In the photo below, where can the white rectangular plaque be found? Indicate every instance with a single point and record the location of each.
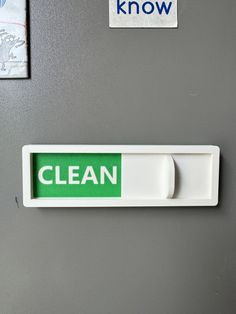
(13, 40)
(143, 14)
(99, 176)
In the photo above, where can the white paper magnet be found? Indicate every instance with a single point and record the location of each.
(99, 176)
(143, 14)
(13, 39)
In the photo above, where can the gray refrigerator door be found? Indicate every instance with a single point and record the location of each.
(91, 84)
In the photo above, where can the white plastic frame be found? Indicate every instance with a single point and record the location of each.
(29, 201)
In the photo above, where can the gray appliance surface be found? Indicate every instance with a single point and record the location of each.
(94, 85)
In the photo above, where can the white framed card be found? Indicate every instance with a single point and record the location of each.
(13, 39)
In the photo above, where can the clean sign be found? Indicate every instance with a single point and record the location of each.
(98, 176)
(76, 175)
(143, 14)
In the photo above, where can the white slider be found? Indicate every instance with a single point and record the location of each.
(169, 176)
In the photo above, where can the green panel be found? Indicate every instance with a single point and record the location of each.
(99, 175)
